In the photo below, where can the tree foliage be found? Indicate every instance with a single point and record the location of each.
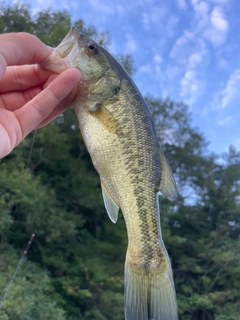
(75, 265)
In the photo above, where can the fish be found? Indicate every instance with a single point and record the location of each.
(119, 134)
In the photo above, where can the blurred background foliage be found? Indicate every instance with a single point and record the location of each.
(74, 269)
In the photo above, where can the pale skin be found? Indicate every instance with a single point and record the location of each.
(30, 96)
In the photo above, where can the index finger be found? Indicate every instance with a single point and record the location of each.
(23, 77)
(21, 48)
(42, 105)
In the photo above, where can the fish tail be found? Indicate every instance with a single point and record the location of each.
(150, 295)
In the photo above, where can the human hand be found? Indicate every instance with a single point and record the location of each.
(30, 96)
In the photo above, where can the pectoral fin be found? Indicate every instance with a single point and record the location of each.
(110, 205)
(167, 184)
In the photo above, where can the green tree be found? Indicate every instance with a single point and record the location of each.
(28, 297)
(202, 230)
(207, 234)
(58, 197)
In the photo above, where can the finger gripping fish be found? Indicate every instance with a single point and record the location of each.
(118, 131)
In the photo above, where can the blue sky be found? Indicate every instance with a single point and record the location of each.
(187, 50)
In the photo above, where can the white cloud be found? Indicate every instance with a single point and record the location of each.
(220, 1)
(218, 27)
(191, 86)
(210, 24)
(201, 13)
(157, 58)
(172, 25)
(182, 4)
(146, 20)
(181, 46)
(105, 8)
(120, 9)
(200, 42)
(146, 68)
(168, 80)
(131, 44)
(200, 7)
(153, 16)
(222, 63)
(172, 72)
(191, 55)
(217, 19)
(194, 60)
(232, 90)
(224, 122)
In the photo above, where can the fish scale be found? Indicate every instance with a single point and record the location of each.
(143, 149)
(118, 131)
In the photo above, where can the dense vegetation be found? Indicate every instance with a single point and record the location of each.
(74, 269)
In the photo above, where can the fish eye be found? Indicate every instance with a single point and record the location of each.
(92, 48)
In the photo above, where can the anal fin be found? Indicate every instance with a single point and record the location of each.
(167, 185)
(110, 205)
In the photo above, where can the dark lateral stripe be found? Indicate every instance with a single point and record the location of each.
(139, 150)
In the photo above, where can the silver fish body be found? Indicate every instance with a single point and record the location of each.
(119, 134)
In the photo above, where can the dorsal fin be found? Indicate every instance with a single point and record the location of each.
(110, 205)
(167, 184)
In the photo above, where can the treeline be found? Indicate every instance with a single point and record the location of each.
(74, 269)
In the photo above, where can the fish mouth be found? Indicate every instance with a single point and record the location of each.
(64, 54)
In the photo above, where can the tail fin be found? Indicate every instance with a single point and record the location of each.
(150, 295)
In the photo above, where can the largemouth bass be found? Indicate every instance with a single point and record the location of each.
(118, 131)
